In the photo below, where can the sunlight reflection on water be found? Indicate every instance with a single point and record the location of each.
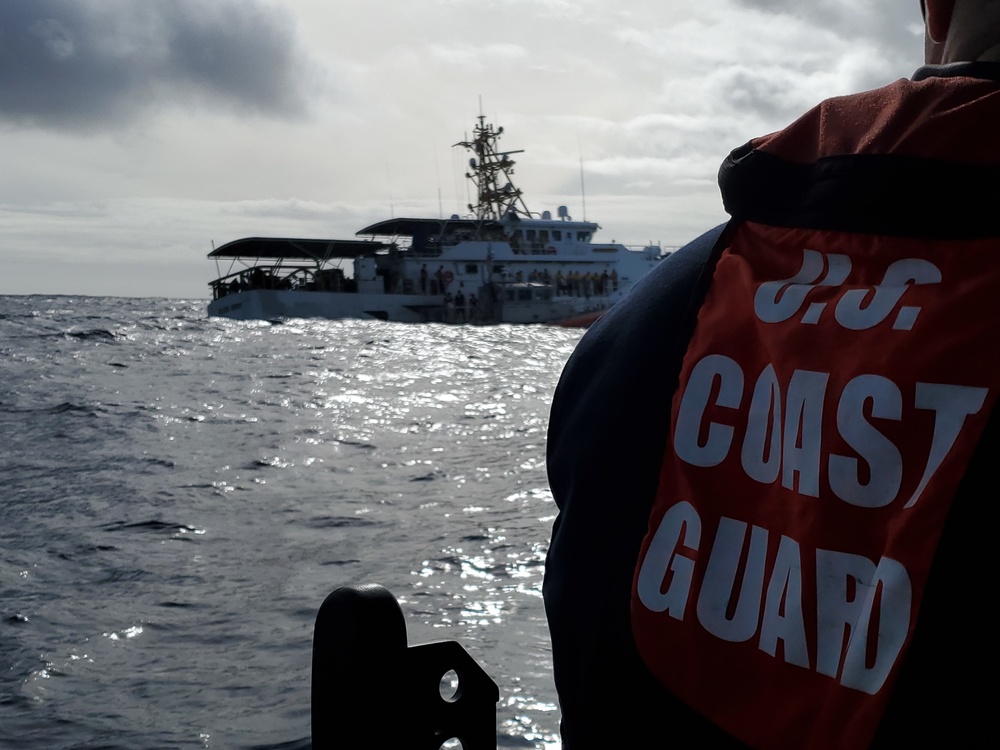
(230, 476)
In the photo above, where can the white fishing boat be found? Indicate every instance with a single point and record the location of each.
(500, 264)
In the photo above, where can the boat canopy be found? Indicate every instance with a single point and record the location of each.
(297, 249)
(424, 227)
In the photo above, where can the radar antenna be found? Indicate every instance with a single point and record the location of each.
(491, 170)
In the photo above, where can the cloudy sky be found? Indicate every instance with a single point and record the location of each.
(136, 133)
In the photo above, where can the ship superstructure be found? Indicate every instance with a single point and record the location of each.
(501, 263)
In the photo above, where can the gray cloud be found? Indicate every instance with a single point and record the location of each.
(889, 25)
(87, 64)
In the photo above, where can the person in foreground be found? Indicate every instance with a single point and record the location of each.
(773, 459)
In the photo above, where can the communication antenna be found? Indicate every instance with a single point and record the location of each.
(468, 192)
(437, 168)
(490, 170)
(388, 181)
(583, 190)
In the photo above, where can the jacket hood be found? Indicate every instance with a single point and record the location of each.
(918, 158)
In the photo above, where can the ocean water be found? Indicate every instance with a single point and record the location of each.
(179, 494)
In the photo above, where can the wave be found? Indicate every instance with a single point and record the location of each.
(152, 525)
(96, 333)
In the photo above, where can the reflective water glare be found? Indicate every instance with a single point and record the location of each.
(180, 494)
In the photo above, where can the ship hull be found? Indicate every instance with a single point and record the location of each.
(270, 304)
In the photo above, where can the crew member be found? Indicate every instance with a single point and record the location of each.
(773, 458)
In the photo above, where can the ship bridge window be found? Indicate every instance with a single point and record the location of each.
(557, 234)
(471, 268)
(530, 234)
(583, 236)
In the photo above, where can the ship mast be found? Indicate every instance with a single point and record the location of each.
(491, 170)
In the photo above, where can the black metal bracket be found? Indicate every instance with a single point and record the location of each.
(369, 690)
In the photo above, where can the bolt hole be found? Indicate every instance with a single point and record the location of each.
(450, 689)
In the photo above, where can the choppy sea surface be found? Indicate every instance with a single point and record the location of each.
(179, 494)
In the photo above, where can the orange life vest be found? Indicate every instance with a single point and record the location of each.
(841, 371)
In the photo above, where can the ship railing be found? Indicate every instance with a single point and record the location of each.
(425, 251)
(654, 251)
(563, 286)
(521, 247)
(281, 278)
(255, 277)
